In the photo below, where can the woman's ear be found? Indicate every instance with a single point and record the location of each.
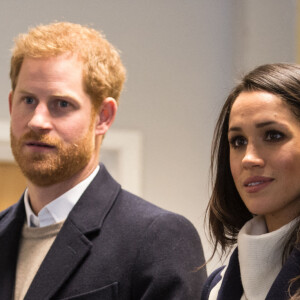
(106, 115)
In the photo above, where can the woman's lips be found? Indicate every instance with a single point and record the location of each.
(257, 183)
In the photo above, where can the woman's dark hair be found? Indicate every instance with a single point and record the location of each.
(226, 211)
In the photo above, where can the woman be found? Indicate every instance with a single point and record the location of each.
(255, 201)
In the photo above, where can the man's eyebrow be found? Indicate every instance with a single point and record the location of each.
(25, 92)
(55, 95)
(258, 125)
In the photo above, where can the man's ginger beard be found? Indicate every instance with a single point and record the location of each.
(57, 165)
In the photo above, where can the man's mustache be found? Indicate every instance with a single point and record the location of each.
(32, 136)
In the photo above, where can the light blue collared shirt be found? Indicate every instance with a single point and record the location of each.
(58, 209)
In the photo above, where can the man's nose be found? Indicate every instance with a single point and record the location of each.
(41, 119)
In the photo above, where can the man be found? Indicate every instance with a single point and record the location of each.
(75, 233)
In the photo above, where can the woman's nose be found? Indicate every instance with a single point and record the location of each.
(252, 158)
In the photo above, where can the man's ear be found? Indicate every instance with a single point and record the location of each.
(10, 96)
(106, 115)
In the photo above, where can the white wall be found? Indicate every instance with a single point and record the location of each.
(266, 32)
(182, 58)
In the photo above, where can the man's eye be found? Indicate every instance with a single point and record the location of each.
(238, 141)
(29, 100)
(63, 103)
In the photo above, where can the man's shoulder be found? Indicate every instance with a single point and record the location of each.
(137, 202)
(143, 208)
(131, 209)
(162, 239)
(125, 202)
(7, 211)
(7, 215)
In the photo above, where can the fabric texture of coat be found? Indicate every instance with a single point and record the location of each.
(113, 245)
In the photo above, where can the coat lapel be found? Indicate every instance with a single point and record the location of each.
(73, 244)
(67, 252)
(232, 287)
(12, 221)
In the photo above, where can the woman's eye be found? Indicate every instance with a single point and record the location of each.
(274, 136)
(238, 141)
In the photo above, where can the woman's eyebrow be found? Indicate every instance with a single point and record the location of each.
(262, 124)
(258, 125)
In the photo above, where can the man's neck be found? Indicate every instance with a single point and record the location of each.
(40, 196)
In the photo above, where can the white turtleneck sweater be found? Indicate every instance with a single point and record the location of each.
(260, 258)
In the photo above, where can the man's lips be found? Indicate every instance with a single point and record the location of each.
(39, 144)
(257, 183)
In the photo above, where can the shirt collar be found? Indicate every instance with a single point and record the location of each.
(58, 209)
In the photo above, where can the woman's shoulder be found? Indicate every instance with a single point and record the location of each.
(211, 282)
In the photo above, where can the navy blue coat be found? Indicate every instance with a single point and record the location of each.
(113, 245)
(231, 287)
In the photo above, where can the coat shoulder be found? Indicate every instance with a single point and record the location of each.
(140, 210)
(7, 213)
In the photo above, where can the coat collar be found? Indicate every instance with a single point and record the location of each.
(90, 211)
(71, 245)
